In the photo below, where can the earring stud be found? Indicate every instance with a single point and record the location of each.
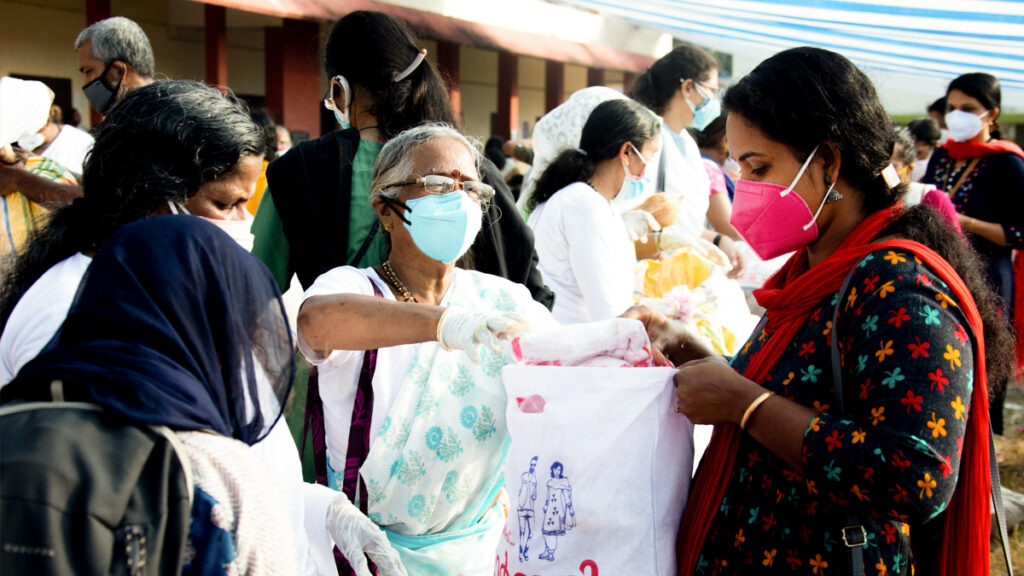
(387, 227)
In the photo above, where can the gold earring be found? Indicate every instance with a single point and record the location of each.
(387, 227)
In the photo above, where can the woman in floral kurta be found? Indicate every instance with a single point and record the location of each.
(897, 478)
(907, 374)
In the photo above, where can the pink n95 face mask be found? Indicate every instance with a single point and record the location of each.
(773, 219)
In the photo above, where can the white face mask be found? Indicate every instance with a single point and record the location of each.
(964, 126)
(239, 230)
(30, 142)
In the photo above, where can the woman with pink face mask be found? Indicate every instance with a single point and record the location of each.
(984, 177)
(875, 453)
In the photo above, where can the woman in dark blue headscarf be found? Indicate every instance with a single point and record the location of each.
(174, 325)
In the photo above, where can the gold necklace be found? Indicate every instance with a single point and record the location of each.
(392, 279)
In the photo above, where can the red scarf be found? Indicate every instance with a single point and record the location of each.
(789, 296)
(972, 149)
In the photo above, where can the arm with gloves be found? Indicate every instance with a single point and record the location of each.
(358, 322)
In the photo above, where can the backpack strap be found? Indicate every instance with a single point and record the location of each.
(164, 431)
(186, 462)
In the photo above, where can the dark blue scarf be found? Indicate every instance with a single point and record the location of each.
(174, 324)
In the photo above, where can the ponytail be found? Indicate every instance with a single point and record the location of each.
(568, 167)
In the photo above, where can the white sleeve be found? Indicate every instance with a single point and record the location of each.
(321, 548)
(39, 315)
(341, 280)
(590, 243)
(277, 452)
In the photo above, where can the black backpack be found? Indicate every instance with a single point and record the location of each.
(82, 492)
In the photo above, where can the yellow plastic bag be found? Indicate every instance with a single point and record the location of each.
(684, 267)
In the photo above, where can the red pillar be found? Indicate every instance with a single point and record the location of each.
(554, 84)
(448, 62)
(628, 78)
(293, 76)
(216, 46)
(96, 10)
(595, 77)
(508, 94)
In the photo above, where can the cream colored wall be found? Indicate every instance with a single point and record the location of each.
(38, 38)
(531, 92)
(478, 82)
(575, 79)
(40, 41)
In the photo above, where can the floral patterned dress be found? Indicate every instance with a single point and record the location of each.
(907, 361)
(992, 192)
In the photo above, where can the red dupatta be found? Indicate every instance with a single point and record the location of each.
(789, 297)
(972, 149)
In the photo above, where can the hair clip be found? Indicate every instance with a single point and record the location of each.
(415, 63)
(891, 176)
(581, 152)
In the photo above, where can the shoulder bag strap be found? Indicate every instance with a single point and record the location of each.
(960, 182)
(852, 528)
(854, 534)
(662, 160)
(997, 501)
(366, 243)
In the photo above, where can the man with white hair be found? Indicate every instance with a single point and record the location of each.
(114, 57)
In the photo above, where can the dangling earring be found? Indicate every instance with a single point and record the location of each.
(387, 227)
(832, 195)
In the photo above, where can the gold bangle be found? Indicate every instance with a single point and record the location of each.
(753, 406)
(439, 321)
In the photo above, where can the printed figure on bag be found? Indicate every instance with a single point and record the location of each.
(559, 515)
(527, 498)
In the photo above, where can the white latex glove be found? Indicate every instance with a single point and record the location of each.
(357, 537)
(465, 330)
(638, 223)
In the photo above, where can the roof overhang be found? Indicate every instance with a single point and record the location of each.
(464, 32)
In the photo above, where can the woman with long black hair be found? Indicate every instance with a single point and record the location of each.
(852, 428)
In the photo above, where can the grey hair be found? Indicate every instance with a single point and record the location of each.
(395, 163)
(119, 38)
(906, 140)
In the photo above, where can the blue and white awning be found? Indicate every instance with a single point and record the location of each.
(923, 43)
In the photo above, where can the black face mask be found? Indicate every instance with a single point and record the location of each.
(100, 93)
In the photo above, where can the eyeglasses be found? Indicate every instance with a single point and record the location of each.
(698, 85)
(437, 184)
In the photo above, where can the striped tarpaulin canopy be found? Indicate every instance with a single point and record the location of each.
(924, 43)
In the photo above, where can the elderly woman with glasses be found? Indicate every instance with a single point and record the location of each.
(409, 356)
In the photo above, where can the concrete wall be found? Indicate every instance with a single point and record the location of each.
(37, 38)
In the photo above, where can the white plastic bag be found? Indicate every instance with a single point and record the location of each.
(598, 471)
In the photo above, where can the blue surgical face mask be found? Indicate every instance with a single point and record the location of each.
(708, 110)
(341, 115)
(443, 226)
(633, 187)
